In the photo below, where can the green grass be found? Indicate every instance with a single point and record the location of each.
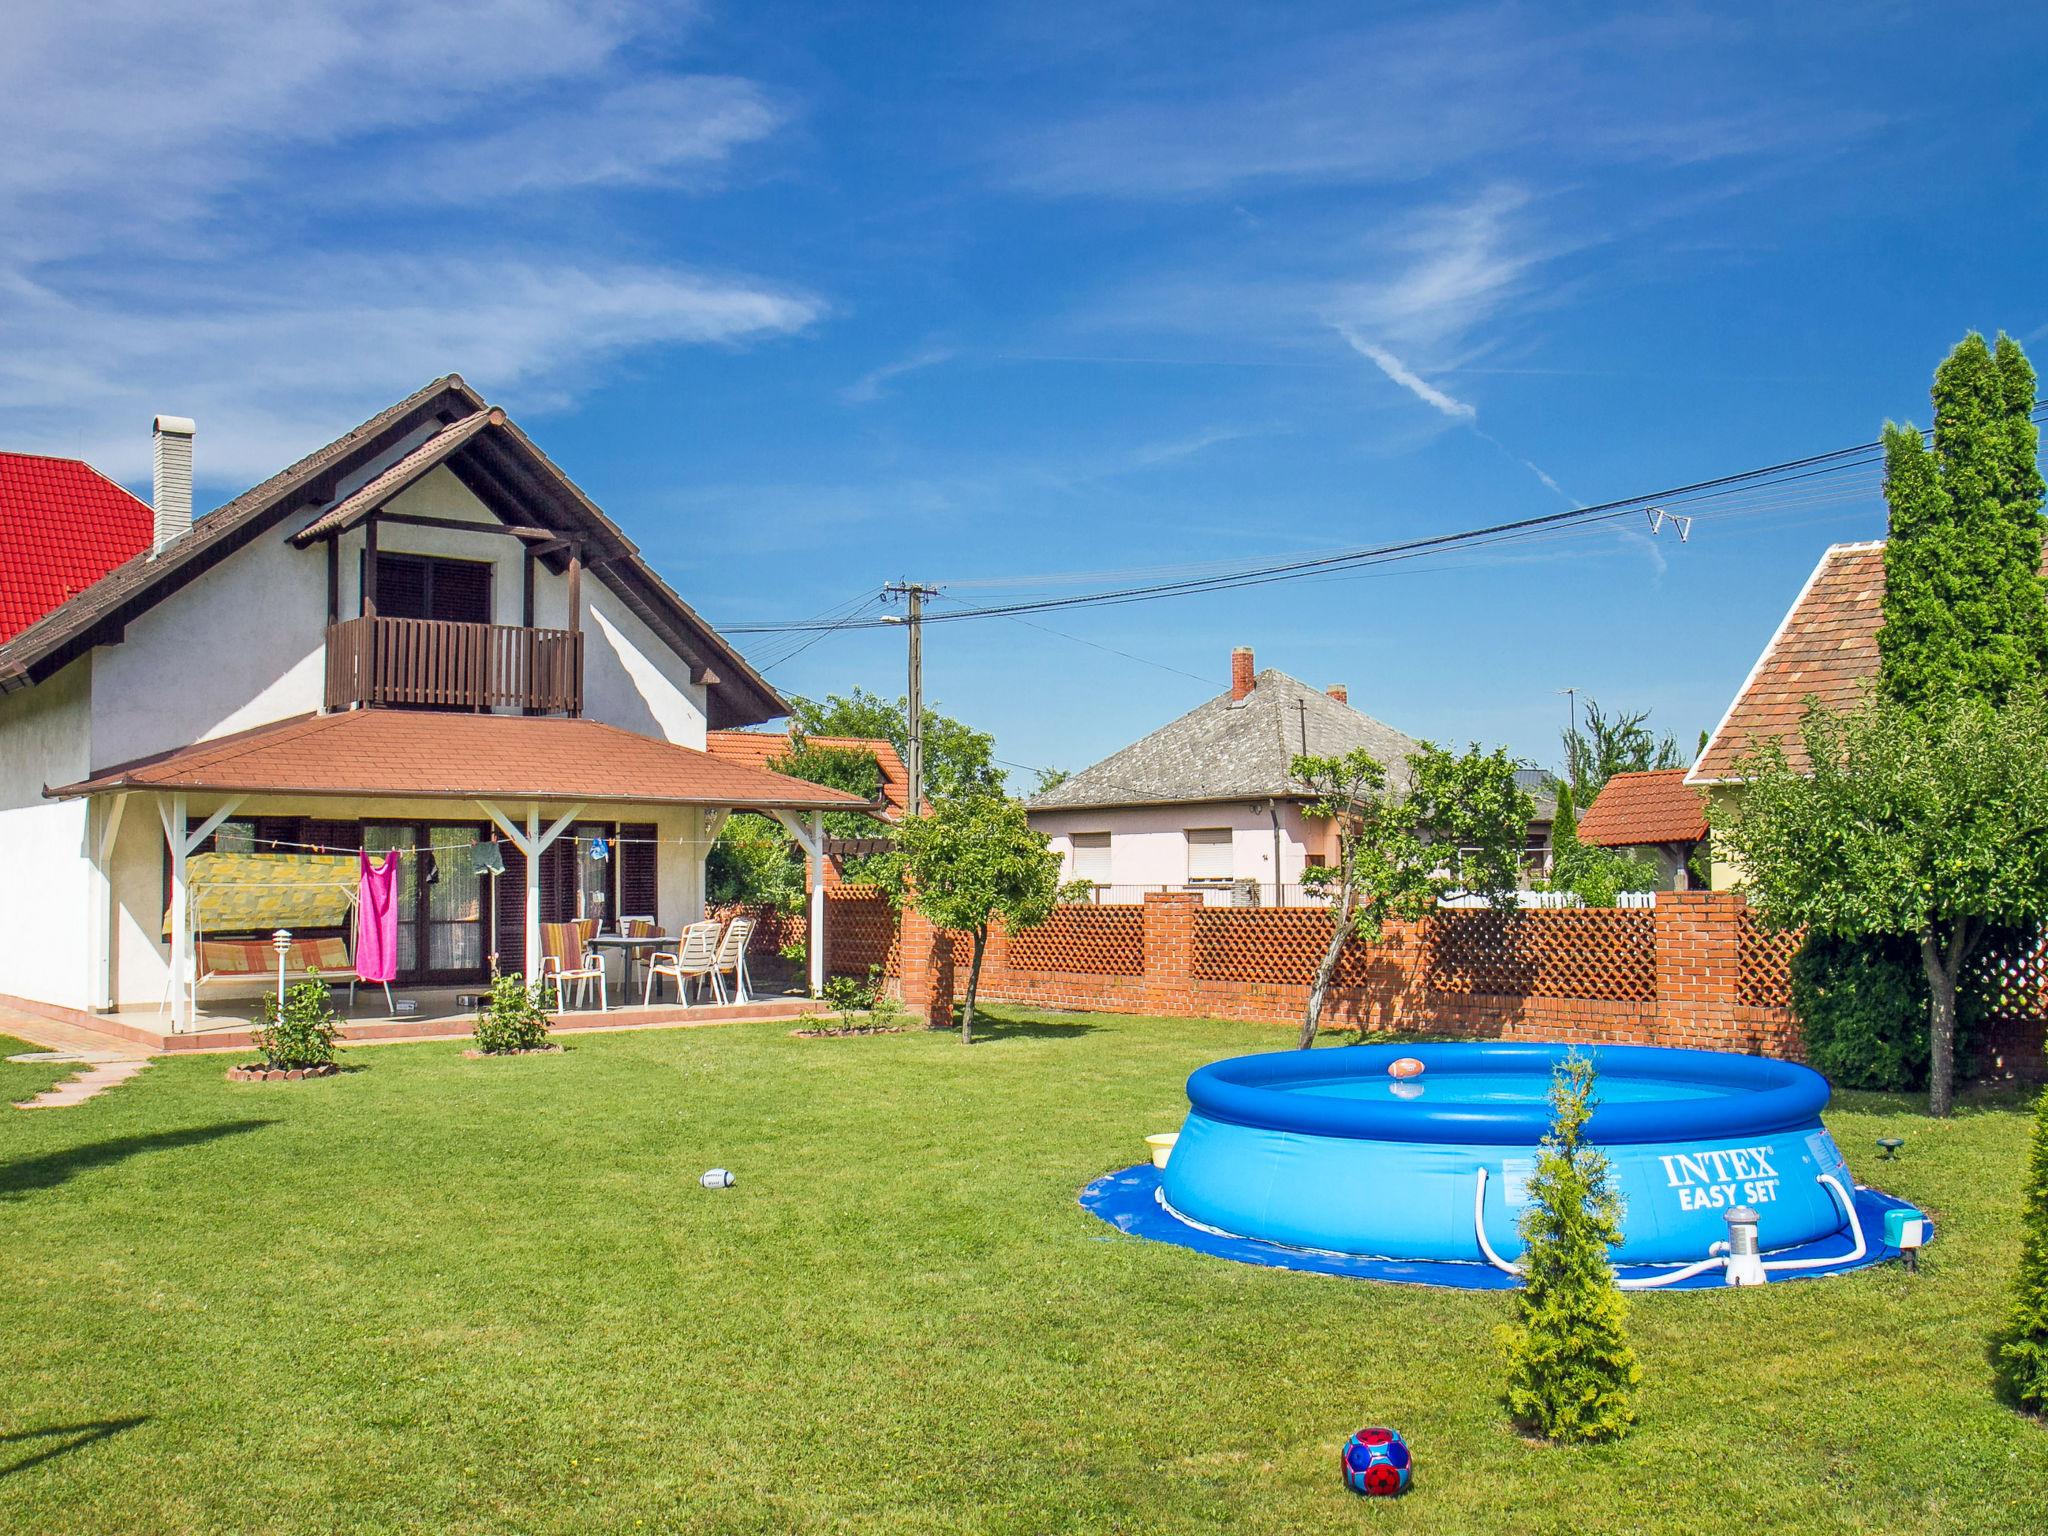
(25, 1079)
(443, 1295)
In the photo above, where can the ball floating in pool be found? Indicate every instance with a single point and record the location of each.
(1404, 1066)
(1377, 1463)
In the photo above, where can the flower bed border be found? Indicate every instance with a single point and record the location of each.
(256, 1073)
(474, 1054)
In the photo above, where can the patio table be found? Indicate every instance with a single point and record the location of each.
(630, 945)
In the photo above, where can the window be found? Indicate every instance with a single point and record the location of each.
(1209, 857)
(1091, 857)
(428, 587)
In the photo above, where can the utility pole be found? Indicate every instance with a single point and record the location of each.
(913, 593)
(1571, 749)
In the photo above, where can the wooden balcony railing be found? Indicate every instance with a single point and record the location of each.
(433, 664)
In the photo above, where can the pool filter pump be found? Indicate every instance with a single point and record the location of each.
(1745, 1259)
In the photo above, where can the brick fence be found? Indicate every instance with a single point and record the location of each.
(1695, 970)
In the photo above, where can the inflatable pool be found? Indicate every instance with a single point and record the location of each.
(1328, 1153)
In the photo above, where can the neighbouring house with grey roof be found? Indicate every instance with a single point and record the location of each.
(1205, 802)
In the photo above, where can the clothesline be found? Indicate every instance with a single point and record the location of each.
(276, 844)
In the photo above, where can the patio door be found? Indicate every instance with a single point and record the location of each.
(440, 900)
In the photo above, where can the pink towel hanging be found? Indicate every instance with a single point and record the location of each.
(377, 918)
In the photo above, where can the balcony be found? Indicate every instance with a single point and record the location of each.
(435, 664)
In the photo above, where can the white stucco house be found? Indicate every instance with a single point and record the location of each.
(1206, 802)
(421, 636)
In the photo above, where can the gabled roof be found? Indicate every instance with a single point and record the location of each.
(492, 457)
(63, 525)
(1232, 750)
(1825, 648)
(760, 748)
(398, 752)
(1634, 810)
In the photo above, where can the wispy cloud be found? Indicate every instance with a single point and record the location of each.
(872, 385)
(1402, 375)
(84, 373)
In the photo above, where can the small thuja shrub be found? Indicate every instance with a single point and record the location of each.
(302, 1034)
(1571, 1373)
(515, 1016)
(2022, 1356)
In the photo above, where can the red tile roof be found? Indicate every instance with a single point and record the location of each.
(759, 748)
(1634, 810)
(1825, 649)
(63, 525)
(397, 752)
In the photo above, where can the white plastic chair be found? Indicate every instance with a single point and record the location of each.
(732, 956)
(692, 960)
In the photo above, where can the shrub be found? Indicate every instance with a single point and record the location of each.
(515, 1016)
(1597, 875)
(2022, 1345)
(303, 1033)
(1862, 1010)
(850, 994)
(1571, 1372)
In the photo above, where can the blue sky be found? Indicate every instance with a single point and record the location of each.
(813, 297)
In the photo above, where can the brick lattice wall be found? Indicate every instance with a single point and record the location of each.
(1085, 940)
(1763, 964)
(1591, 953)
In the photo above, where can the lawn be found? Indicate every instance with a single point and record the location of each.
(489, 1296)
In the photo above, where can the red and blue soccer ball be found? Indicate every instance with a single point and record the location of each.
(1377, 1463)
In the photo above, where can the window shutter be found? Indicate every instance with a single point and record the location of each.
(509, 906)
(558, 879)
(1209, 853)
(639, 871)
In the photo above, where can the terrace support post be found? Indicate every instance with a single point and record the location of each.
(1170, 952)
(171, 810)
(1698, 942)
(809, 831)
(531, 843)
(102, 828)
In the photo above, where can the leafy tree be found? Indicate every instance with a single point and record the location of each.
(852, 769)
(1572, 1373)
(973, 860)
(1863, 1007)
(754, 863)
(1460, 825)
(1598, 875)
(1051, 778)
(1964, 609)
(1927, 823)
(1606, 745)
(958, 760)
(2022, 1345)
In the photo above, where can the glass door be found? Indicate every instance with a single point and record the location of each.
(453, 910)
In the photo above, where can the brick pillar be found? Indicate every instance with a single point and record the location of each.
(1169, 950)
(1697, 937)
(925, 969)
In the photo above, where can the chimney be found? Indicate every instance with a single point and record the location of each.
(171, 484)
(1339, 692)
(1240, 673)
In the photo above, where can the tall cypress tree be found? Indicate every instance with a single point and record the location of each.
(1964, 609)
(2022, 1350)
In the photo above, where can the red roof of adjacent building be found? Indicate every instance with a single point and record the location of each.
(402, 752)
(63, 525)
(1634, 810)
(760, 748)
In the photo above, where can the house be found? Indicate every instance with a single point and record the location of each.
(1207, 803)
(1824, 649)
(421, 636)
(63, 525)
(1655, 814)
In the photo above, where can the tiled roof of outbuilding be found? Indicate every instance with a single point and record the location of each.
(1634, 810)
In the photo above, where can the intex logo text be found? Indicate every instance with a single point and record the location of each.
(1713, 1180)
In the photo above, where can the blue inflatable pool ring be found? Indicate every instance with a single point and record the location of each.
(1331, 1154)
(1377, 1463)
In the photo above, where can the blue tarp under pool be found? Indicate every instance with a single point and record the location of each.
(1129, 1201)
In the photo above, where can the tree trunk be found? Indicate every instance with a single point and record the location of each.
(1340, 931)
(1943, 972)
(973, 983)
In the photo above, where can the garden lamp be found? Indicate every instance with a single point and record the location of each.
(281, 941)
(1891, 1145)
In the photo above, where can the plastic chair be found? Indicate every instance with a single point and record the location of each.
(692, 960)
(732, 956)
(562, 960)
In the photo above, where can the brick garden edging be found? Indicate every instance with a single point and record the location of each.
(255, 1074)
(525, 1050)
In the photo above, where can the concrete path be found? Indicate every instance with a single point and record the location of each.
(106, 1060)
(95, 1080)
